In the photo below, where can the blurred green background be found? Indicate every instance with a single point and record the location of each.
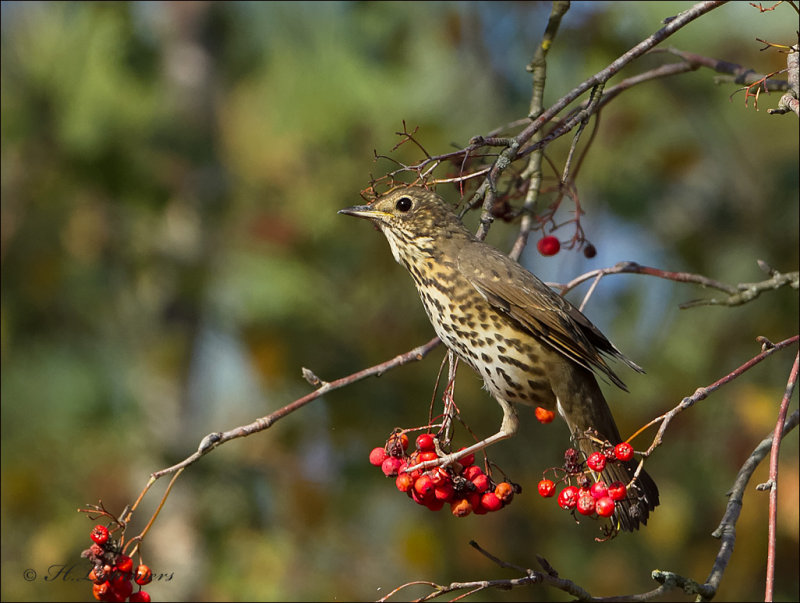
(172, 257)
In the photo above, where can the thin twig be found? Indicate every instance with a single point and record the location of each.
(737, 294)
(773, 479)
(727, 527)
(213, 440)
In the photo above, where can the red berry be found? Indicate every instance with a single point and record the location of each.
(474, 499)
(425, 442)
(424, 486)
(434, 504)
(472, 472)
(604, 506)
(596, 461)
(140, 597)
(460, 507)
(623, 451)
(428, 455)
(546, 488)
(548, 245)
(377, 456)
(543, 415)
(585, 504)
(99, 534)
(481, 483)
(391, 465)
(467, 460)
(617, 491)
(444, 491)
(568, 497)
(122, 586)
(124, 564)
(491, 502)
(598, 490)
(404, 482)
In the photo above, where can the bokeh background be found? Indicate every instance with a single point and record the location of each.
(172, 257)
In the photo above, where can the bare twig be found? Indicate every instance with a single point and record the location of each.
(736, 294)
(701, 393)
(727, 527)
(773, 479)
(213, 440)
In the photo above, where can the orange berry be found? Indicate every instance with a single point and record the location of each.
(460, 507)
(504, 491)
(544, 416)
(143, 575)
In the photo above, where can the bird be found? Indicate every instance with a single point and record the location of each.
(530, 345)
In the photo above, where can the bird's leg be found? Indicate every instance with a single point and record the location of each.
(508, 428)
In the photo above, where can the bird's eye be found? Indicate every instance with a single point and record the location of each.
(403, 204)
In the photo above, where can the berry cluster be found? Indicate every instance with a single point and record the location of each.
(112, 574)
(463, 485)
(589, 497)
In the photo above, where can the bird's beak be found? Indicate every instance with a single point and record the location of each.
(365, 211)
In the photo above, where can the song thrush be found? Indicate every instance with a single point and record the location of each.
(530, 345)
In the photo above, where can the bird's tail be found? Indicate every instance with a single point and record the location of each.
(585, 410)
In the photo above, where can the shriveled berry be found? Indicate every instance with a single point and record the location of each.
(391, 465)
(572, 461)
(598, 490)
(623, 451)
(596, 461)
(546, 488)
(99, 534)
(377, 456)
(589, 251)
(548, 245)
(618, 491)
(585, 504)
(425, 442)
(491, 502)
(604, 506)
(505, 492)
(568, 497)
(460, 507)
(543, 415)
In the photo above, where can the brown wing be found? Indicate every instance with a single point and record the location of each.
(533, 304)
